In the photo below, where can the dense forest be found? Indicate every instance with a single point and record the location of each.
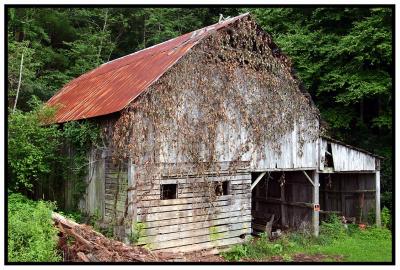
(342, 55)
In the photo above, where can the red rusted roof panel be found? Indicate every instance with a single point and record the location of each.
(113, 85)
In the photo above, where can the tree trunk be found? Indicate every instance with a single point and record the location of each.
(104, 29)
(19, 81)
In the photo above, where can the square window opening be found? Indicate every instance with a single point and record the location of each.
(221, 188)
(168, 191)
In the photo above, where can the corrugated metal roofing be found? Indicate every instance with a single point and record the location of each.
(113, 85)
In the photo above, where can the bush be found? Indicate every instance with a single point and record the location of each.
(374, 233)
(31, 234)
(386, 218)
(32, 147)
(258, 249)
(331, 230)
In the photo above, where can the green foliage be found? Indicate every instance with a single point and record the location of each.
(374, 232)
(352, 229)
(73, 215)
(31, 234)
(32, 147)
(137, 232)
(80, 136)
(332, 229)
(386, 218)
(258, 249)
(236, 253)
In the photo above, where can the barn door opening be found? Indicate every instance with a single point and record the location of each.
(348, 195)
(281, 200)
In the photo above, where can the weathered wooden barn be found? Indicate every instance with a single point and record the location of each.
(208, 136)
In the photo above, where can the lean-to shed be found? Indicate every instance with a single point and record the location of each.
(209, 138)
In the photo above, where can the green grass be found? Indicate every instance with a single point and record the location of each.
(372, 245)
(351, 245)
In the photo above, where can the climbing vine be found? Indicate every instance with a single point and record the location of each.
(224, 101)
(80, 138)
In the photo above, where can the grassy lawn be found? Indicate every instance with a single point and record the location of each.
(360, 247)
(335, 243)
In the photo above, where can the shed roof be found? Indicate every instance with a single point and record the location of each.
(112, 86)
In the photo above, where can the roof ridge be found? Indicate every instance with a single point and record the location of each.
(212, 27)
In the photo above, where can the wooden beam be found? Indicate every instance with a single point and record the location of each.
(350, 191)
(258, 180)
(327, 170)
(378, 198)
(315, 215)
(297, 204)
(308, 177)
(132, 205)
(283, 206)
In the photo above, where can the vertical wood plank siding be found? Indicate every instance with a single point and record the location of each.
(348, 159)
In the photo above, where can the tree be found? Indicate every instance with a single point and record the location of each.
(32, 148)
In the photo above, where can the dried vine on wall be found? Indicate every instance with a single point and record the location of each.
(234, 86)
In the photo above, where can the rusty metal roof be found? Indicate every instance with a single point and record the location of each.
(112, 86)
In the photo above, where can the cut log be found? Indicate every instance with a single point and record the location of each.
(83, 257)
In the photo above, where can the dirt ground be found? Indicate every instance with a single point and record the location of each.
(205, 256)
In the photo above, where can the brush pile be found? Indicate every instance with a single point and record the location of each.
(80, 243)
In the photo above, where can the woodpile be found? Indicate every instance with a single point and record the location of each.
(80, 243)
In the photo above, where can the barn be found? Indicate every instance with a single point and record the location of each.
(210, 137)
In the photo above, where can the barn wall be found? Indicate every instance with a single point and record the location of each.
(193, 221)
(93, 201)
(294, 155)
(349, 194)
(347, 159)
(297, 149)
(116, 184)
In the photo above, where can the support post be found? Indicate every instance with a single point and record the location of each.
(132, 207)
(315, 215)
(378, 198)
(283, 206)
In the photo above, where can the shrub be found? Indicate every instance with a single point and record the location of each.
(258, 249)
(304, 239)
(31, 234)
(386, 218)
(331, 230)
(236, 253)
(374, 233)
(353, 229)
(32, 147)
